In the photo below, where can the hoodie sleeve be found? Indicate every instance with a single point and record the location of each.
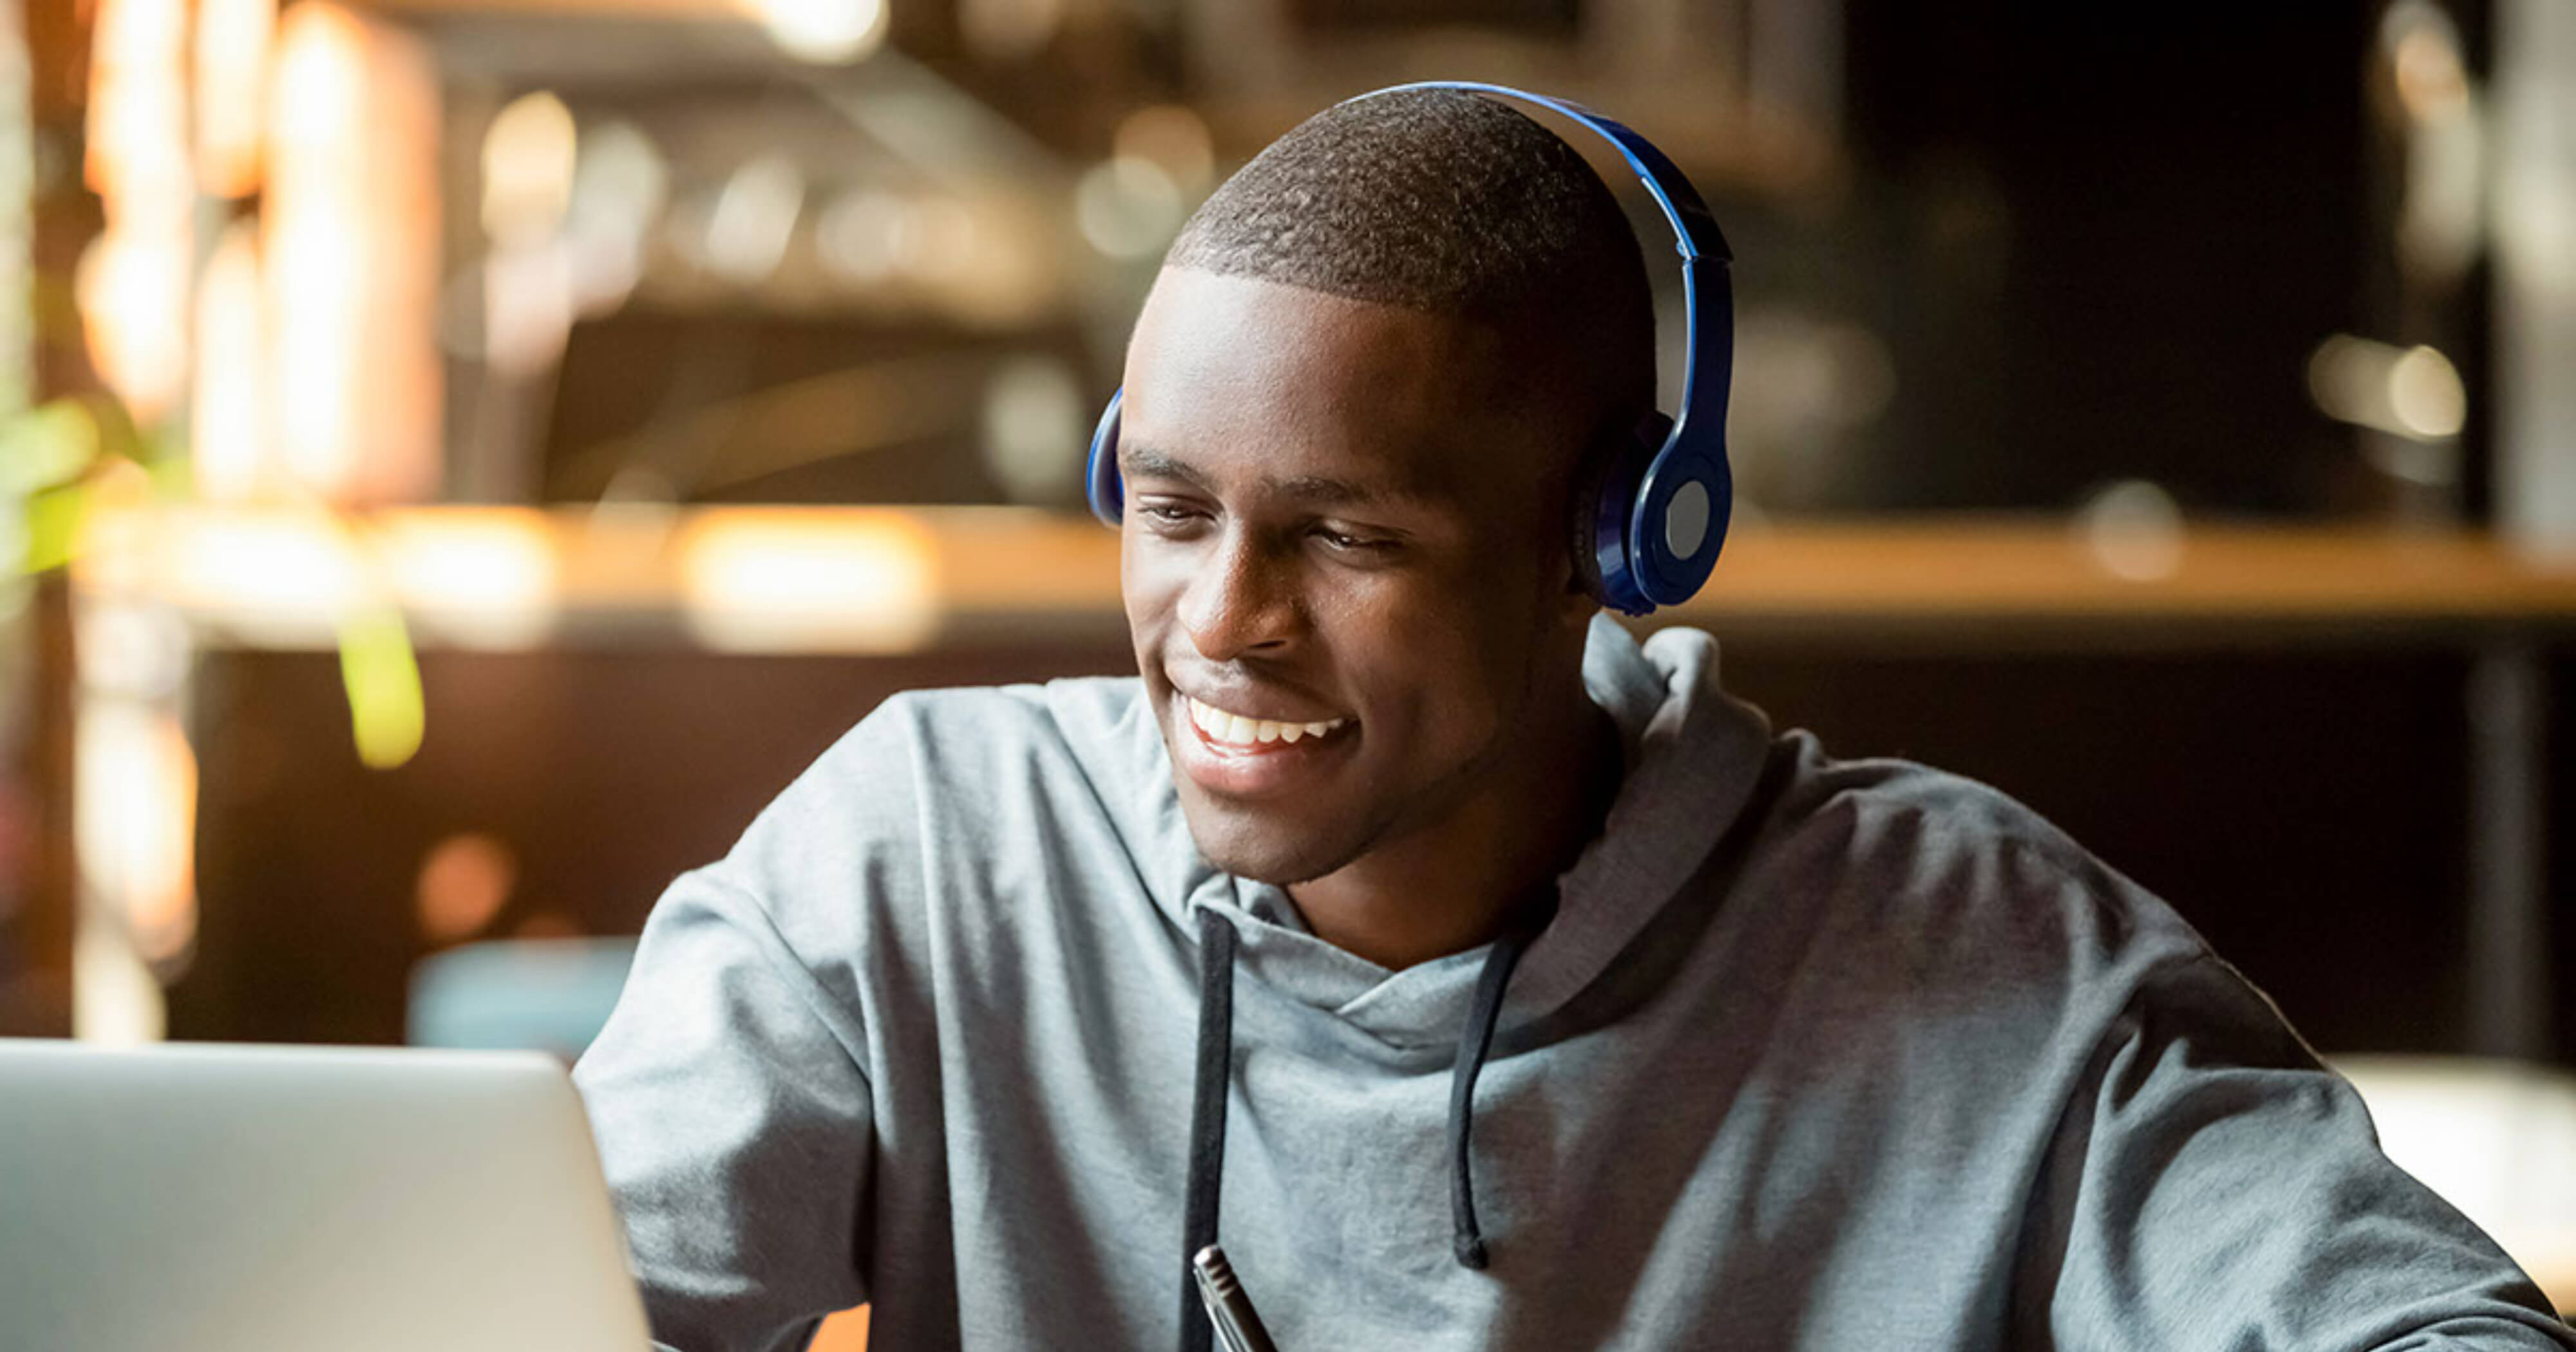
(2213, 1186)
(730, 1100)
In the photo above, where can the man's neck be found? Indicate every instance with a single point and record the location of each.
(1454, 886)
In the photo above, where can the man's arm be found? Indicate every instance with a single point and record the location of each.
(729, 1097)
(2213, 1187)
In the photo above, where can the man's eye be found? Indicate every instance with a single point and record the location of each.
(1166, 513)
(1350, 544)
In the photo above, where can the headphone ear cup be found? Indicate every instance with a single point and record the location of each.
(1605, 502)
(1100, 482)
(1583, 513)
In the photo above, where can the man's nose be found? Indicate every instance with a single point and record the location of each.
(1240, 601)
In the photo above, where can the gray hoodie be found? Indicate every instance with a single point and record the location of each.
(1814, 1054)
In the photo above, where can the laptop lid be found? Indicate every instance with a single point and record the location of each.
(232, 1198)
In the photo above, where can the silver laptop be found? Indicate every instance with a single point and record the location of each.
(226, 1199)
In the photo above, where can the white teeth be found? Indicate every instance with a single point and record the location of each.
(1241, 731)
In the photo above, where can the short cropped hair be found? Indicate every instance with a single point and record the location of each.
(1448, 202)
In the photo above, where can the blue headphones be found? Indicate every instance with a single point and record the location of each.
(1656, 512)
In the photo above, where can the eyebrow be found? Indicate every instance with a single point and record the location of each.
(1146, 462)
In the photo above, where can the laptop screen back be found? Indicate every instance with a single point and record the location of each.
(226, 1199)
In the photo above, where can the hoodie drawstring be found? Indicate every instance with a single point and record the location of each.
(1466, 1240)
(1207, 1115)
(1217, 942)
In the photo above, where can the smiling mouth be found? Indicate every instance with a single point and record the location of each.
(1229, 731)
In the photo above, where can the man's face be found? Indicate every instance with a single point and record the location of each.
(1343, 564)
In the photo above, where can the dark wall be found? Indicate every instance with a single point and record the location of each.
(2100, 242)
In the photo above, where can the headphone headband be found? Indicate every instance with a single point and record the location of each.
(1658, 530)
(1694, 229)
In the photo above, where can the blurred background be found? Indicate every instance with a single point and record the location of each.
(463, 457)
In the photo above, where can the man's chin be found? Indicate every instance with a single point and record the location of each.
(1264, 845)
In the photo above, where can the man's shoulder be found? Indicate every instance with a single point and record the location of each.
(1936, 908)
(1933, 853)
(964, 776)
(1888, 803)
(965, 753)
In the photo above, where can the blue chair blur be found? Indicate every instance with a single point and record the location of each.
(549, 995)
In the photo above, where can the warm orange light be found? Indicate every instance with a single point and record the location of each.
(786, 581)
(464, 882)
(529, 154)
(824, 31)
(138, 115)
(281, 574)
(296, 577)
(232, 73)
(229, 428)
(132, 283)
(132, 290)
(527, 307)
(350, 246)
(843, 1332)
(135, 821)
(479, 579)
(2431, 81)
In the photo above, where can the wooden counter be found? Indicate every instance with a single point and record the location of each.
(791, 579)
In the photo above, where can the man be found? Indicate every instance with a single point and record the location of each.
(1481, 978)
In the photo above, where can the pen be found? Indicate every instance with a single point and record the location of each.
(1228, 1307)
